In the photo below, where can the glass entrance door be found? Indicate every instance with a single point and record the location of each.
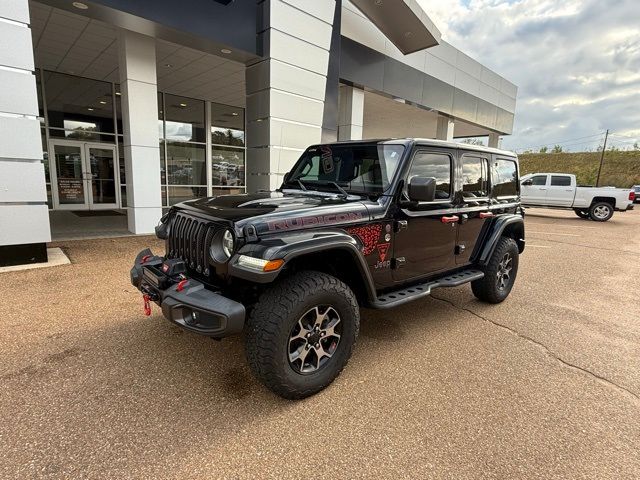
(100, 168)
(83, 175)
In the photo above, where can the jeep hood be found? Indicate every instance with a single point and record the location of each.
(273, 211)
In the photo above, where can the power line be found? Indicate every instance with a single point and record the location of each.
(626, 136)
(561, 142)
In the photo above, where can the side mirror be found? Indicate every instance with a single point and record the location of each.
(422, 189)
(527, 183)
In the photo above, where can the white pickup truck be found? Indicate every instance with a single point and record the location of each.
(559, 190)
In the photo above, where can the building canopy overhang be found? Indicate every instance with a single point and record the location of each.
(403, 22)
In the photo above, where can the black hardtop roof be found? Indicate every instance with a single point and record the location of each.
(429, 142)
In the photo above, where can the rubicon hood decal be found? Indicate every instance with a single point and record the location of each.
(314, 220)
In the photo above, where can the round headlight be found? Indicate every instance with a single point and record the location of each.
(227, 243)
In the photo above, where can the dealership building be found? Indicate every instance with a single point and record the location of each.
(113, 110)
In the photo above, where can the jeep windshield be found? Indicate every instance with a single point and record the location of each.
(358, 168)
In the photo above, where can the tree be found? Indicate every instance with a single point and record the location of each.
(635, 146)
(557, 149)
(544, 150)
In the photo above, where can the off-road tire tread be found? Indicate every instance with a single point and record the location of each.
(267, 317)
(486, 288)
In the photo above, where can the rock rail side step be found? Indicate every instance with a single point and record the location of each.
(408, 294)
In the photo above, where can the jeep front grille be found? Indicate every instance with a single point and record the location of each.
(189, 240)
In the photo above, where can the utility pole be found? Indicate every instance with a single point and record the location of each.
(604, 148)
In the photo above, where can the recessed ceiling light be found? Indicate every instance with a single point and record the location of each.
(80, 5)
(235, 114)
(183, 104)
(102, 102)
(90, 109)
(118, 93)
(168, 65)
(226, 51)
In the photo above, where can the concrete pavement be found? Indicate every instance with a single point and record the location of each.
(546, 384)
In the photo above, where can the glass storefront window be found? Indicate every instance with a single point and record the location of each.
(186, 164)
(227, 125)
(226, 191)
(79, 107)
(227, 167)
(184, 119)
(179, 194)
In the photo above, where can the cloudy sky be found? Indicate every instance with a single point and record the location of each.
(576, 63)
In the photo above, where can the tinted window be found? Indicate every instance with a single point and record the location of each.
(560, 181)
(475, 177)
(436, 165)
(539, 180)
(504, 175)
(365, 168)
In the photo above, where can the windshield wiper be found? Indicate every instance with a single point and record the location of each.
(339, 188)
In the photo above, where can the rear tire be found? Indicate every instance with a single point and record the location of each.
(581, 213)
(301, 333)
(499, 274)
(601, 211)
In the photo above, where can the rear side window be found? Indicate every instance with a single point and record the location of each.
(475, 177)
(539, 180)
(436, 165)
(560, 181)
(504, 176)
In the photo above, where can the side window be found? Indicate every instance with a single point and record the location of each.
(504, 176)
(539, 180)
(560, 181)
(475, 177)
(436, 165)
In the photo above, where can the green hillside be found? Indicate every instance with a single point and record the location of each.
(620, 169)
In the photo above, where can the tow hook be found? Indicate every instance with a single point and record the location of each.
(147, 304)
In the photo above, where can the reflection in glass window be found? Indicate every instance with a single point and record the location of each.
(227, 166)
(79, 104)
(504, 175)
(434, 165)
(227, 125)
(560, 181)
(184, 119)
(183, 193)
(186, 164)
(475, 177)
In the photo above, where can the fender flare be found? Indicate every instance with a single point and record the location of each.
(493, 233)
(297, 245)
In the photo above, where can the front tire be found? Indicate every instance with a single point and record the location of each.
(601, 211)
(499, 274)
(301, 333)
(584, 214)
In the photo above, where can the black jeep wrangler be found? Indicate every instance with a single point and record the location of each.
(371, 224)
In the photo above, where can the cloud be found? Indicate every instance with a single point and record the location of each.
(576, 63)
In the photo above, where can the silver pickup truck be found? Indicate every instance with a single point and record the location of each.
(559, 190)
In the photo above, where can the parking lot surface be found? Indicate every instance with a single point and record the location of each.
(546, 384)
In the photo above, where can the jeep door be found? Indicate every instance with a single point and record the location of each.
(426, 231)
(473, 170)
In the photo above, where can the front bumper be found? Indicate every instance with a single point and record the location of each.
(191, 305)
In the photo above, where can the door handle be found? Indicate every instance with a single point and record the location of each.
(451, 219)
(486, 214)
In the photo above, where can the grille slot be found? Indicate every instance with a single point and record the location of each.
(189, 240)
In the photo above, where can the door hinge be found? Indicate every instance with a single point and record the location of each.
(397, 263)
(401, 225)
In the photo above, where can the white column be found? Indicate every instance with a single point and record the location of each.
(351, 115)
(138, 82)
(286, 90)
(24, 216)
(494, 140)
(445, 128)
